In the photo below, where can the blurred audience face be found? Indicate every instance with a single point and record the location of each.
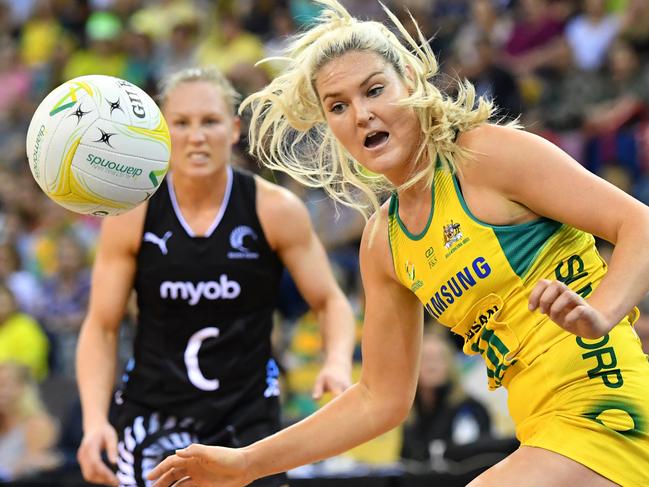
(435, 362)
(183, 36)
(623, 61)
(202, 128)
(484, 13)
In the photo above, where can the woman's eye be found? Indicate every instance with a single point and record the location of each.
(337, 108)
(180, 123)
(375, 91)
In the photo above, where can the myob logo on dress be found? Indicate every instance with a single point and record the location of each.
(194, 292)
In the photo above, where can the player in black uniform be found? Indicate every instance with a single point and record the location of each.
(204, 256)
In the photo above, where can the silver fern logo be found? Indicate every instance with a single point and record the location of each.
(147, 441)
(240, 240)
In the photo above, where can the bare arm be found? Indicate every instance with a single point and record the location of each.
(112, 281)
(304, 256)
(534, 173)
(380, 401)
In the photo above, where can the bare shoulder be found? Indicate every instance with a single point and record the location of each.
(487, 140)
(273, 198)
(283, 216)
(501, 154)
(375, 250)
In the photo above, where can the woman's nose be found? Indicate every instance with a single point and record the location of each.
(196, 134)
(363, 115)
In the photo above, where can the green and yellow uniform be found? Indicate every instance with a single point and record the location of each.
(476, 279)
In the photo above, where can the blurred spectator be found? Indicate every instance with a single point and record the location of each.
(104, 54)
(227, 46)
(40, 35)
(15, 80)
(21, 339)
(140, 66)
(40, 243)
(17, 11)
(622, 101)
(73, 15)
(492, 80)
(591, 33)
(24, 285)
(635, 28)
(486, 24)
(159, 17)
(440, 20)
(531, 42)
(443, 415)
(566, 93)
(27, 431)
(122, 8)
(256, 21)
(179, 51)
(65, 302)
(282, 26)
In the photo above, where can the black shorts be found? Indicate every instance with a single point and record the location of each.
(147, 436)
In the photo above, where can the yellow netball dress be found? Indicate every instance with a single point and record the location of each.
(585, 399)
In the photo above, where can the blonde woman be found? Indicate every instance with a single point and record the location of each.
(490, 229)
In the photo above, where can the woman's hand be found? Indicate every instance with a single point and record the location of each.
(568, 309)
(334, 377)
(200, 465)
(93, 444)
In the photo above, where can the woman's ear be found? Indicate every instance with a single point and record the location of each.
(410, 78)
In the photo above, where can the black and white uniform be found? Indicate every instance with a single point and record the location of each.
(202, 369)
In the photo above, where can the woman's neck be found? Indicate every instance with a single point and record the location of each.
(195, 194)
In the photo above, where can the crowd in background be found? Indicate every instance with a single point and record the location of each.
(575, 71)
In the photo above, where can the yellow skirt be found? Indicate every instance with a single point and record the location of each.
(589, 401)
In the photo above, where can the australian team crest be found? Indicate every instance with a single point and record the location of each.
(410, 271)
(452, 234)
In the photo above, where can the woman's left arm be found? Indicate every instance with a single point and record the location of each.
(532, 172)
(287, 226)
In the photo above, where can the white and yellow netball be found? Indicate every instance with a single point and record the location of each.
(98, 145)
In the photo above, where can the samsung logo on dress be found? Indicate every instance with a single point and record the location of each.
(193, 292)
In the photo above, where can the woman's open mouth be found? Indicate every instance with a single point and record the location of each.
(374, 140)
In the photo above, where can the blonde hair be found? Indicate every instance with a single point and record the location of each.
(208, 74)
(288, 130)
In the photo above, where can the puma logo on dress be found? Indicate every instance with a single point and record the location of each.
(160, 242)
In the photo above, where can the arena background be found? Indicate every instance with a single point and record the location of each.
(575, 71)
